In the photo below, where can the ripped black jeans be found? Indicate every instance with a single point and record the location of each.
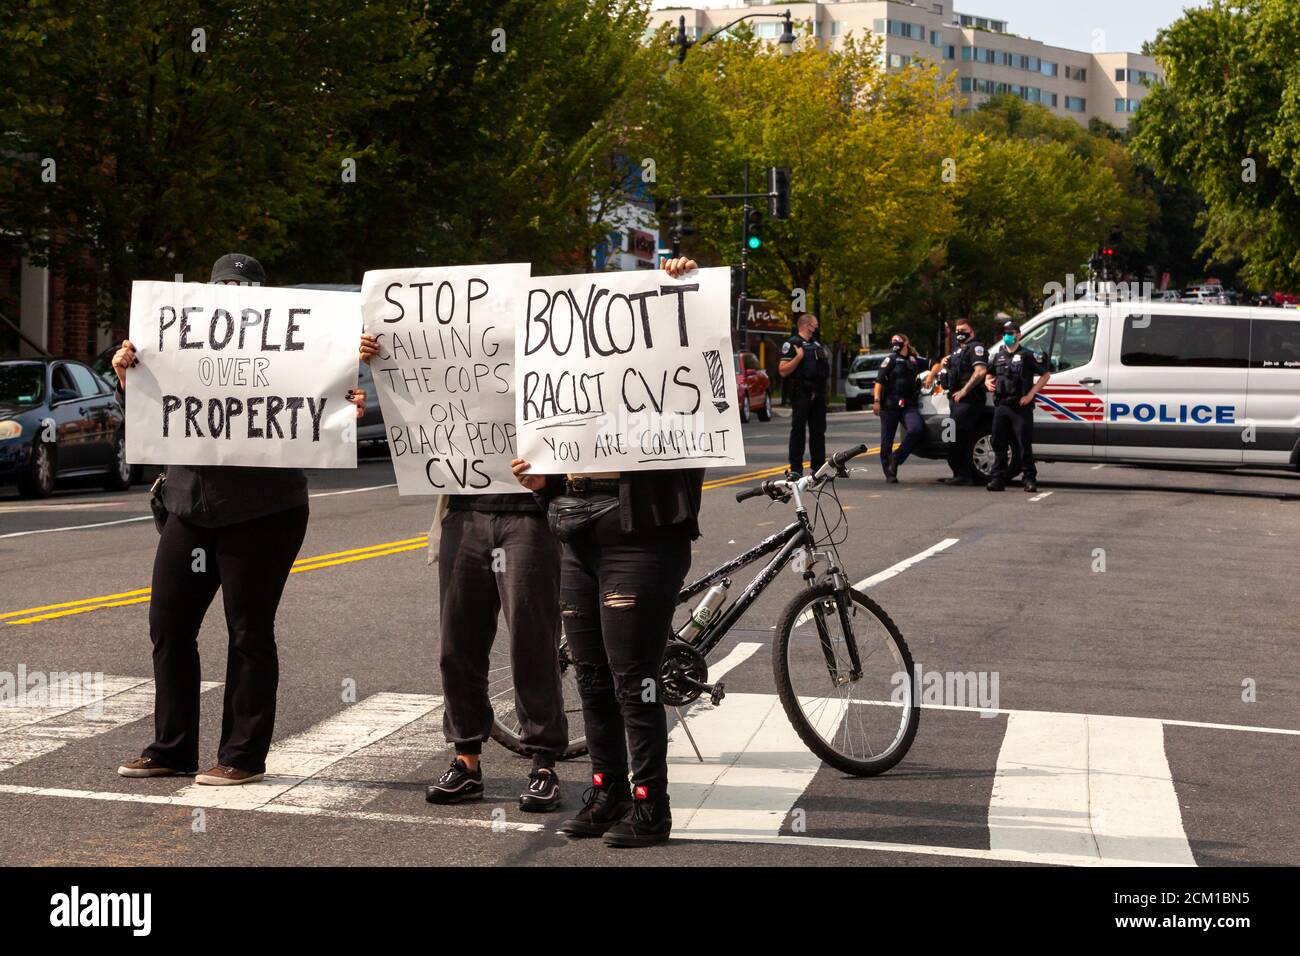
(617, 595)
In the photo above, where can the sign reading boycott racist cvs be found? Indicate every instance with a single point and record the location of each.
(445, 374)
(242, 375)
(628, 371)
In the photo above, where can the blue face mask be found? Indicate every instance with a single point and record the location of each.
(1009, 340)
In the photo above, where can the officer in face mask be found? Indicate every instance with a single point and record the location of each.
(962, 378)
(1014, 390)
(896, 401)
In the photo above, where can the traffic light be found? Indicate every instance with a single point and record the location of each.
(778, 192)
(1103, 263)
(680, 219)
(753, 225)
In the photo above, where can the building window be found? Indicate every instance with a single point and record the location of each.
(968, 53)
(837, 28)
(950, 52)
(1121, 76)
(934, 38)
(768, 31)
(1050, 99)
(1076, 104)
(1126, 106)
(967, 85)
(1048, 69)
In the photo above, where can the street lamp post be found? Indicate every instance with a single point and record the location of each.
(684, 43)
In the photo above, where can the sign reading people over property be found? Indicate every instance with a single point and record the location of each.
(445, 374)
(242, 375)
(630, 371)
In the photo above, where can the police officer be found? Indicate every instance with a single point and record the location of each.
(896, 401)
(806, 367)
(962, 378)
(1012, 383)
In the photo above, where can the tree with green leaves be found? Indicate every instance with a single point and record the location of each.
(1226, 121)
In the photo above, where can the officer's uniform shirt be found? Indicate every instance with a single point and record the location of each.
(815, 367)
(961, 366)
(1014, 374)
(898, 378)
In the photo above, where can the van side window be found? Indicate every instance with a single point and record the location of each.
(1274, 344)
(1072, 345)
(1185, 341)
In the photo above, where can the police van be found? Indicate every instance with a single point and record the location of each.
(1155, 382)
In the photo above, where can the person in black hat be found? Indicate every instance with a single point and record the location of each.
(1012, 382)
(249, 524)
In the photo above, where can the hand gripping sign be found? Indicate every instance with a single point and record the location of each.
(628, 371)
(242, 375)
(445, 374)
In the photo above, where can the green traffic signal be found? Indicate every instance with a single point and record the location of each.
(755, 242)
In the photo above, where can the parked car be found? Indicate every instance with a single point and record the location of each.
(753, 390)
(58, 419)
(1205, 295)
(371, 426)
(861, 384)
(1168, 295)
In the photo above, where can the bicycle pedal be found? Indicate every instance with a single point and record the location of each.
(717, 694)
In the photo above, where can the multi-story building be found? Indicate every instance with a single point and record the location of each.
(986, 57)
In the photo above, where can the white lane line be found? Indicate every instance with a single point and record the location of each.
(1074, 787)
(76, 527)
(1045, 494)
(304, 755)
(31, 732)
(106, 524)
(175, 801)
(1098, 467)
(894, 570)
(755, 768)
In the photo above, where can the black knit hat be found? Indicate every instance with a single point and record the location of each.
(237, 267)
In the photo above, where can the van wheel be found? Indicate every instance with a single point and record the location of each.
(744, 408)
(983, 458)
(765, 413)
(39, 480)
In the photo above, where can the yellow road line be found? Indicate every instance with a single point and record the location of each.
(46, 612)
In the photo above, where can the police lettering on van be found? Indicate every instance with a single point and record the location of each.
(1174, 414)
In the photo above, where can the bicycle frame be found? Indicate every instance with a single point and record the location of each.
(798, 535)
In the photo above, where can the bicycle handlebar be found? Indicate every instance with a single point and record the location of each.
(772, 487)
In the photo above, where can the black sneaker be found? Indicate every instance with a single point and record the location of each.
(457, 785)
(647, 823)
(891, 472)
(542, 795)
(996, 484)
(1031, 485)
(955, 480)
(604, 804)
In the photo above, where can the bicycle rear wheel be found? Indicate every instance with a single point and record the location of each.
(501, 694)
(861, 726)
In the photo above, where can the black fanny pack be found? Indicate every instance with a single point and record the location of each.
(156, 503)
(570, 515)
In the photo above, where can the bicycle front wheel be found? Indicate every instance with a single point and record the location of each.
(501, 694)
(845, 678)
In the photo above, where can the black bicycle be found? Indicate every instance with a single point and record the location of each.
(843, 672)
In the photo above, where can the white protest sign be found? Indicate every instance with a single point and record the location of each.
(627, 371)
(445, 374)
(242, 375)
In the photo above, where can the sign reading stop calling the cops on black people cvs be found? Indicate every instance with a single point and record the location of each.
(629, 371)
(242, 375)
(445, 376)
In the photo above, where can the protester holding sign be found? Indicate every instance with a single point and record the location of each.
(445, 380)
(237, 529)
(627, 547)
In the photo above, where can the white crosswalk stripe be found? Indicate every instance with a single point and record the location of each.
(32, 729)
(1071, 789)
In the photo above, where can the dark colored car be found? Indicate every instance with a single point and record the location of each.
(753, 390)
(371, 426)
(58, 419)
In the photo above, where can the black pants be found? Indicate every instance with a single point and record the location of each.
(966, 419)
(891, 416)
(250, 563)
(508, 562)
(617, 595)
(809, 404)
(1013, 421)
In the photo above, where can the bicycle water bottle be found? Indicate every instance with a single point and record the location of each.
(705, 611)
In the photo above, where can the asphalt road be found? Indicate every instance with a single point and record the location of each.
(1134, 630)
